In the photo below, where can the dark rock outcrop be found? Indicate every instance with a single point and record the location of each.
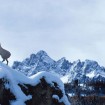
(42, 93)
(5, 94)
(40, 89)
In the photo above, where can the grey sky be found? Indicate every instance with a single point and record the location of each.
(74, 29)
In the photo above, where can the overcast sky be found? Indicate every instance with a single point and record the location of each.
(74, 29)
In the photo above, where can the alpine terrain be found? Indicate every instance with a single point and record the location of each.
(67, 71)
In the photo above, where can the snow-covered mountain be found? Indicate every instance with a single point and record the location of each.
(84, 71)
(42, 62)
(81, 70)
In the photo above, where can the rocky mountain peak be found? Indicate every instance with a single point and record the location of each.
(42, 62)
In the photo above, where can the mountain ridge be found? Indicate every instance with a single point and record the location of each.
(62, 68)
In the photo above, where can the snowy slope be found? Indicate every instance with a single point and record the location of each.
(14, 78)
(67, 71)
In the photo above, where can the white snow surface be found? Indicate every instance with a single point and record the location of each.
(14, 77)
(65, 79)
(91, 74)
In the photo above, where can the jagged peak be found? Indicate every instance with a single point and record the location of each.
(32, 55)
(90, 61)
(62, 59)
(41, 53)
(77, 63)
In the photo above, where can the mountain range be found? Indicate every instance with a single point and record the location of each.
(82, 70)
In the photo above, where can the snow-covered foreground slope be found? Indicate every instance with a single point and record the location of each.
(16, 82)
